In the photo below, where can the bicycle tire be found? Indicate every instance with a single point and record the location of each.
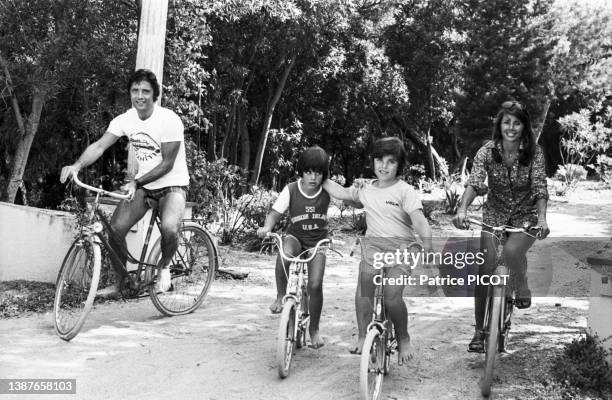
(75, 287)
(372, 366)
(491, 340)
(286, 338)
(193, 268)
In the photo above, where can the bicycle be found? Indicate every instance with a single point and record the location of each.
(192, 268)
(294, 316)
(499, 304)
(380, 343)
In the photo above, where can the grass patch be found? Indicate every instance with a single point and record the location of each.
(20, 296)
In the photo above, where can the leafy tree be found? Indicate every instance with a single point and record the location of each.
(424, 41)
(503, 60)
(66, 57)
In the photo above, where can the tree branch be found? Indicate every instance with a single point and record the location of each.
(15, 103)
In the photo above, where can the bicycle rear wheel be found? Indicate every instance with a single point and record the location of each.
(75, 288)
(192, 269)
(372, 366)
(286, 338)
(492, 338)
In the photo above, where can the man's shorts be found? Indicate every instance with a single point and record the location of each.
(158, 194)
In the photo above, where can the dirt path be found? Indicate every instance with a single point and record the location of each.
(225, 350)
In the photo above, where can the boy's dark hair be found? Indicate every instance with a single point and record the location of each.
(141, 75)
(391, 146)
(314, 159)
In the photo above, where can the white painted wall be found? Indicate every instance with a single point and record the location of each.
(34, 241)
(600, 304)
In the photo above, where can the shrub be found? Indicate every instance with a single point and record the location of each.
(583, 364)
(604, 169)
(570, 175)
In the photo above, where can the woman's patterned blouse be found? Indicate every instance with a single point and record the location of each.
(512, 192)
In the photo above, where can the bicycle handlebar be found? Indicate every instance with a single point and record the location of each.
(505, 228)
(120, 196)
(314, 250)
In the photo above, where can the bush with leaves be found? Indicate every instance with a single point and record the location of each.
(213, 184)
(569, 175)
(604, 169)
(586, 135)
(583, 364)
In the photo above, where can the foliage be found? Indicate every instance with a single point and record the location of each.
(453, 190)
(414, 174)
(20, 296)
(604, 168)
(77, 53)
(583, 364)
(423, 40)
(362, 70)
(505, 57)
(213, 185)
(569, 175)
(583, 139)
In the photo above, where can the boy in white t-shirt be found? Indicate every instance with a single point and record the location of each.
(393, 214)
(156, 134)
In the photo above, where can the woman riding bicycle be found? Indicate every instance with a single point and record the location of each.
(516, 194)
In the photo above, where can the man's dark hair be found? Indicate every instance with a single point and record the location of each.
(391, 146)
(314, 159)
(141, 75)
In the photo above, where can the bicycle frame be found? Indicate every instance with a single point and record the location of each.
(379, 311)
(116, 248)
(118, 252)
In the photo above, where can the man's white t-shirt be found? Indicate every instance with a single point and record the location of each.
(146, 137)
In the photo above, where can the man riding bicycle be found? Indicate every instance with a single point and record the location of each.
(156, 135)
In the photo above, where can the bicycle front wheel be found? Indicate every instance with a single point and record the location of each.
(492, 338)
(75, 288)
(286, 338)
(192, 270)
(372, 366)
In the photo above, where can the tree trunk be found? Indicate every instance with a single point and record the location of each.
(229, 131)
(268, 121)
(233, 144)
(245, 144)
(539, 123)
(211, 139)
(432, 165)
(30, 127)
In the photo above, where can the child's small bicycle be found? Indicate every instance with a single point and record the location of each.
(499, 305)
(294, 316)
(380, 343)
(192, 268)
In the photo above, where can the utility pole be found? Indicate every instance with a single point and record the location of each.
(150, 53)
(152, 37)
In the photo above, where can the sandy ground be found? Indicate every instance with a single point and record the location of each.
(225, 350)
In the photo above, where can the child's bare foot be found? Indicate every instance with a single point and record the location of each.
(316, 341)
(277, 306)
(358, 347)
(405, 351)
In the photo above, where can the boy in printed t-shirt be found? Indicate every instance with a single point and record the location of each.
(307, 203)
(393, 214)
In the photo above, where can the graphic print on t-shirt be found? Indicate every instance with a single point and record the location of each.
(313, 219)
(146, 147)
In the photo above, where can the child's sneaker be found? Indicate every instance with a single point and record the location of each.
(164, 280)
